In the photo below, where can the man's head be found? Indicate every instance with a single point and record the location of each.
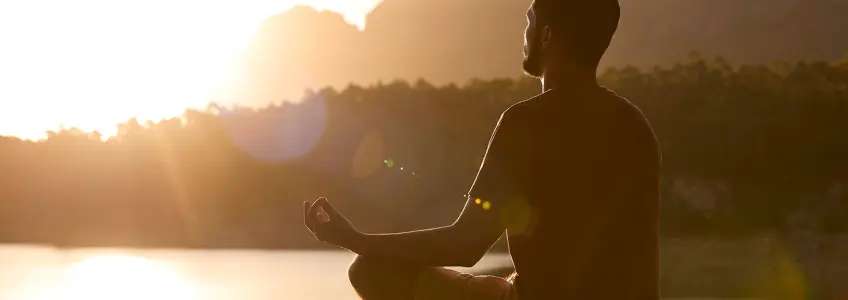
(572, 32)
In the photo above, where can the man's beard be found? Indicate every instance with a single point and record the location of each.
(532, 64)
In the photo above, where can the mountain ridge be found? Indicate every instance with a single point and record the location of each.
(455, 41)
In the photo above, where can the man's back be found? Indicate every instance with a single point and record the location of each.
(591, 168)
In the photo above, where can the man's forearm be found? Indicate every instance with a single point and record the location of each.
(428, 247)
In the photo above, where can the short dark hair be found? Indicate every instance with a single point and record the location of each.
(588, 23)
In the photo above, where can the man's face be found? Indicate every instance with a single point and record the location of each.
(533, 61)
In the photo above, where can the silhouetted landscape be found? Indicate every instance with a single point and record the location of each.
(746, 149)
(483, 39)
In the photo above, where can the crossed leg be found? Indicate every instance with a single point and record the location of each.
(382, 279)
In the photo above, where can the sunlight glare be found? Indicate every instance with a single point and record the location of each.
(123, 277)
(91, 64)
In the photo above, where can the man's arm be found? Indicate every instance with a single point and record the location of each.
(481, 222)
(458, 244)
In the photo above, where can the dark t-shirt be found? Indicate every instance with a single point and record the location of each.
(574, 174)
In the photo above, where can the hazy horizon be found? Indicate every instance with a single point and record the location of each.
(91, 64)
(98, 63)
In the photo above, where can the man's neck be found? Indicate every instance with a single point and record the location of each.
(554, 79)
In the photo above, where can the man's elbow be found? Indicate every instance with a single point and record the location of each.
(472, 248)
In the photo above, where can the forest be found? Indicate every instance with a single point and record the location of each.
(746, 149)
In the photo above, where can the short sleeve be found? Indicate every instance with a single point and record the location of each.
(504, 173)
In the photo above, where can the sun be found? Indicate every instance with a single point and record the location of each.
(91, 64)
(123, 277)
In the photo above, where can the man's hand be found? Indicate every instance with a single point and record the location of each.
(328, 225)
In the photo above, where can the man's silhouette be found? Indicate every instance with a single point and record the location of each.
(571, 175)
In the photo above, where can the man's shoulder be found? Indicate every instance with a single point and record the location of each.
(526, 107)
(632, 124)
(601, 106)
(614, 108)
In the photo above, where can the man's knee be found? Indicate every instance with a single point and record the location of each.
(363, 271)
(375, 279)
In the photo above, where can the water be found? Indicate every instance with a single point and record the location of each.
(35, 273)
(32, 273)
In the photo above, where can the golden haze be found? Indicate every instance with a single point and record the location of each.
(91, 64)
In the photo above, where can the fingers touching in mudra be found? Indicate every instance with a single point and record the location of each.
(327, 224)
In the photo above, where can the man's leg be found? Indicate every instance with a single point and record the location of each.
(378, 279)
(381, 279)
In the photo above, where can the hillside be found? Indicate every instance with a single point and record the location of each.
(454, 41)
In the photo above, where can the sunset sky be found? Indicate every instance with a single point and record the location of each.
(93, 63)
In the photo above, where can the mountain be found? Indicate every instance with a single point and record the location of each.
(743, 31)
(453, 41)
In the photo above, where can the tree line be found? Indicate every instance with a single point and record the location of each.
(745, 149)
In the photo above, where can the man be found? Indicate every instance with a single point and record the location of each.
(571, 175)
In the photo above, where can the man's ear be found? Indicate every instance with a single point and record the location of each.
(546, 37)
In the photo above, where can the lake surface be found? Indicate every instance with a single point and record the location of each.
(34, 273)
(39, 273)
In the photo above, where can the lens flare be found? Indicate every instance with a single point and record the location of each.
(366, 159)
(517, 216)
(278, 134)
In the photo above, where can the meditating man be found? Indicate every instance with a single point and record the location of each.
(570, 175)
